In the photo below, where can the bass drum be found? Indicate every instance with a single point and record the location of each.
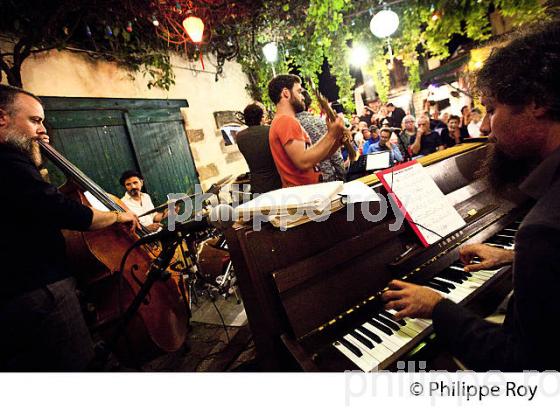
(212, 259)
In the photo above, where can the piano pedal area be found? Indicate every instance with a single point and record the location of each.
(378, 342)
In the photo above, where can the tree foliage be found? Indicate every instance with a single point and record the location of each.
(308, 32)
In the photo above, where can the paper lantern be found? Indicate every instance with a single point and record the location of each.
(194, 27)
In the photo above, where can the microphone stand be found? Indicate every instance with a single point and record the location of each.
(406, 154)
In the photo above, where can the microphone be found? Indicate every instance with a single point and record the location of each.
(183, 227)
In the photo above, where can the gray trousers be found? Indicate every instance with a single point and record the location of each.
(44, 330)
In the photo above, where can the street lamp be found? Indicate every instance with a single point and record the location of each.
(358, 56)
(270, 52)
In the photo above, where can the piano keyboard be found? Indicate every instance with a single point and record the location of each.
(382, 336)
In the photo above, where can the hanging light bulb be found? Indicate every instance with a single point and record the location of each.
(270, 52)
(155, 21)
(194, 27)
(384, 23)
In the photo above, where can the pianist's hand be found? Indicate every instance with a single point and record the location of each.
(410, 300)
(490, 257)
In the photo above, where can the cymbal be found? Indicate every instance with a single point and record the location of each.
(223, 181)
(166, 204)
(216, 186)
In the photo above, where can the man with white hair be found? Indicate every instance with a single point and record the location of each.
(425, 141)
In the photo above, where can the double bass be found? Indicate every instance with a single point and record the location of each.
(160, 324)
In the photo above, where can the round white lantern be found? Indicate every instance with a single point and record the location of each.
(384, 23)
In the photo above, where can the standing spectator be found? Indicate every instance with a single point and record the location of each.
(331, 168)
(362, 125)
(359, 142)
(354, 122)
(407, 134)
(395, 115)
(465, 120)
(454, 131)
(425, 141)
(254, 145)
(381, 118)
(474, 125)
(366, 116)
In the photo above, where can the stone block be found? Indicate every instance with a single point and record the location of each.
(195, 135)
(207, 171)
(234, 157)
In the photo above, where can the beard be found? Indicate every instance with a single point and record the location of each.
(297, 105)
(134, 192)
(503, 172)
(26, 145)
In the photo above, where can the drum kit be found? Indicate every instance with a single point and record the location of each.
(202, 260)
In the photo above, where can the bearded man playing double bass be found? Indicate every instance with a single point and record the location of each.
(42, 325)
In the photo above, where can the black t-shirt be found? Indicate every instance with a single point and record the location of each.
(429, 143)
(32, 248)
(395, 120)
(366, 118)
(254, 145)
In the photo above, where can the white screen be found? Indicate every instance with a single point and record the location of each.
(378, 160)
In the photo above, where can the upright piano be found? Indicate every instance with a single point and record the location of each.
(312, 293)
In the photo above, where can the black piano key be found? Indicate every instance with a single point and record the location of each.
(459, 264)
(437, 287)
(362, 339)
(505, 236)
(392, 317)
(387, 322)
(381, 327)
(461, 271)
(442, 283)
(351, 347)
(450, 276)
(370, 334)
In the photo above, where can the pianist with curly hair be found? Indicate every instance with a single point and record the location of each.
(519, 87)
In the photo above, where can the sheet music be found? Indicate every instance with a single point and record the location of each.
(425, 204)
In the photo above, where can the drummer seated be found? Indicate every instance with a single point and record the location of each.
(140, 202)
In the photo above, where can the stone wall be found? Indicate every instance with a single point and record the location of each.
(73, 74)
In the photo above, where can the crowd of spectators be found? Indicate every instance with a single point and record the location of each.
(386, 127)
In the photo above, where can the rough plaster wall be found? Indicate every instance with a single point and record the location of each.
(71, 74)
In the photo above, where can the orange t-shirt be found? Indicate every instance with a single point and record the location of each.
(285, 128)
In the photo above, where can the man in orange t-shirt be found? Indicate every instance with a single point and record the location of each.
(295, 157)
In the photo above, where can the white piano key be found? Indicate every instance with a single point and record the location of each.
(424, 322)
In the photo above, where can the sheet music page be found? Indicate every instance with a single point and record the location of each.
(425, 204)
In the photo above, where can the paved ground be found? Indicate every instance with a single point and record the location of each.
(211, 346)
